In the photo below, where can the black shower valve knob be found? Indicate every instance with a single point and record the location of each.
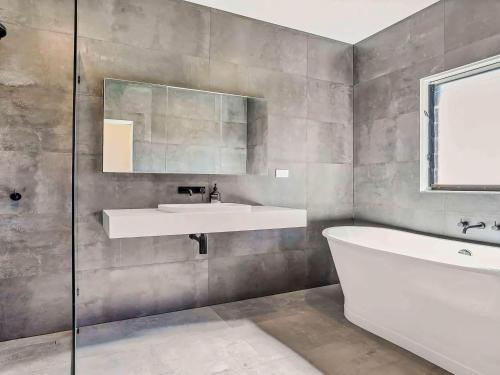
(15, 196)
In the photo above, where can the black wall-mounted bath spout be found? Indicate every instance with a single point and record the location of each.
(479, 225)
(202, 241)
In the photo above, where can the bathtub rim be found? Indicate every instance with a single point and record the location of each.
(471, 268)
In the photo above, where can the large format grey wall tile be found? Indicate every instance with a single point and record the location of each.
(117, 294)
(49, 15)
(34, 305)
(285, 93)
(153, 24)
(245, 57)
(244, 41)
(123, 62)
(329, 60)
(467, 22)
(35, 148)
(242, 277)
(386, 115)
(418, 37)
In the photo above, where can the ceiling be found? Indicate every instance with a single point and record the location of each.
(349, 21)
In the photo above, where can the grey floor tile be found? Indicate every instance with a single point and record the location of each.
(303, 332)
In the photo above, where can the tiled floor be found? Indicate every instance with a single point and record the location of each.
(303, 332)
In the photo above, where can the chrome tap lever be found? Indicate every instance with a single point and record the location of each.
(463, 223)
(495, 226)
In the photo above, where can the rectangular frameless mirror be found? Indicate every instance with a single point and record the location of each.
(460, 128)
(150, 128)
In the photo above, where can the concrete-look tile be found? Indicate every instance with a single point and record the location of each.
(53, 188)
(124, 62)
(329, 60)
(23, 298)
(116, 294)
(51, 15)
(21, 258)
(363, 354)
(329, 142)
(46, 354)
(394, 93)
(44, 179)
(18, 232)
(256, 242)
(35, 119)
(235, 278)
(286, 94)
(472, 52)
(89, 125)
(228, 77)
(294, 365)
(469, 202)
(166, 187)
(46, 59)
(254, 43)
(320, 267)
(329, 102)
(286, 137)
(304, 330)
(394, 183)
(173, 324)
(414, 39)
(157, 250)
(94, 249)
(18, 173)
(315, 227)
(372, 183)
(408, 137)
(155, 24)
(329, 191)
(375, 142)
(266, 190)
(424, 220)
(468, 22)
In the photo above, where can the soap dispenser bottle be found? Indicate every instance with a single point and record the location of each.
(215, 196)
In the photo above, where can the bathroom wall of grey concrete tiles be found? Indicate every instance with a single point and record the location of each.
(388, 67)
(36, 77)
(307, 82)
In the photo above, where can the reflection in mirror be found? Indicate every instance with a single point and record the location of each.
(118, 141)
(162, 129)
(461, 128)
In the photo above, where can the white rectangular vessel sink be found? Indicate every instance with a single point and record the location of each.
(205, 207)
(199, 218)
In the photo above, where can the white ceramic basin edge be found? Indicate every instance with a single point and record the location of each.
(205, 207)
(152, 222)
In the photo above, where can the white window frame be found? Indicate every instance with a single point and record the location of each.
(425, 127)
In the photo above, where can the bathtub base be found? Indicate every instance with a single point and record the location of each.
(390, 335)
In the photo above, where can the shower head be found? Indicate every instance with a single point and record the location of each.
(3, 31)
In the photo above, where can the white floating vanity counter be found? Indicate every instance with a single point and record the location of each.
(179, 219)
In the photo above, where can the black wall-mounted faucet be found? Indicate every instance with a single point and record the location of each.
(190, 190)
(466, 226)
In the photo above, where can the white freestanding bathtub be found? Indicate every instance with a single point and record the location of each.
(420, 293)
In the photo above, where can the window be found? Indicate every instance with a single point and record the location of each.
(460, 128)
